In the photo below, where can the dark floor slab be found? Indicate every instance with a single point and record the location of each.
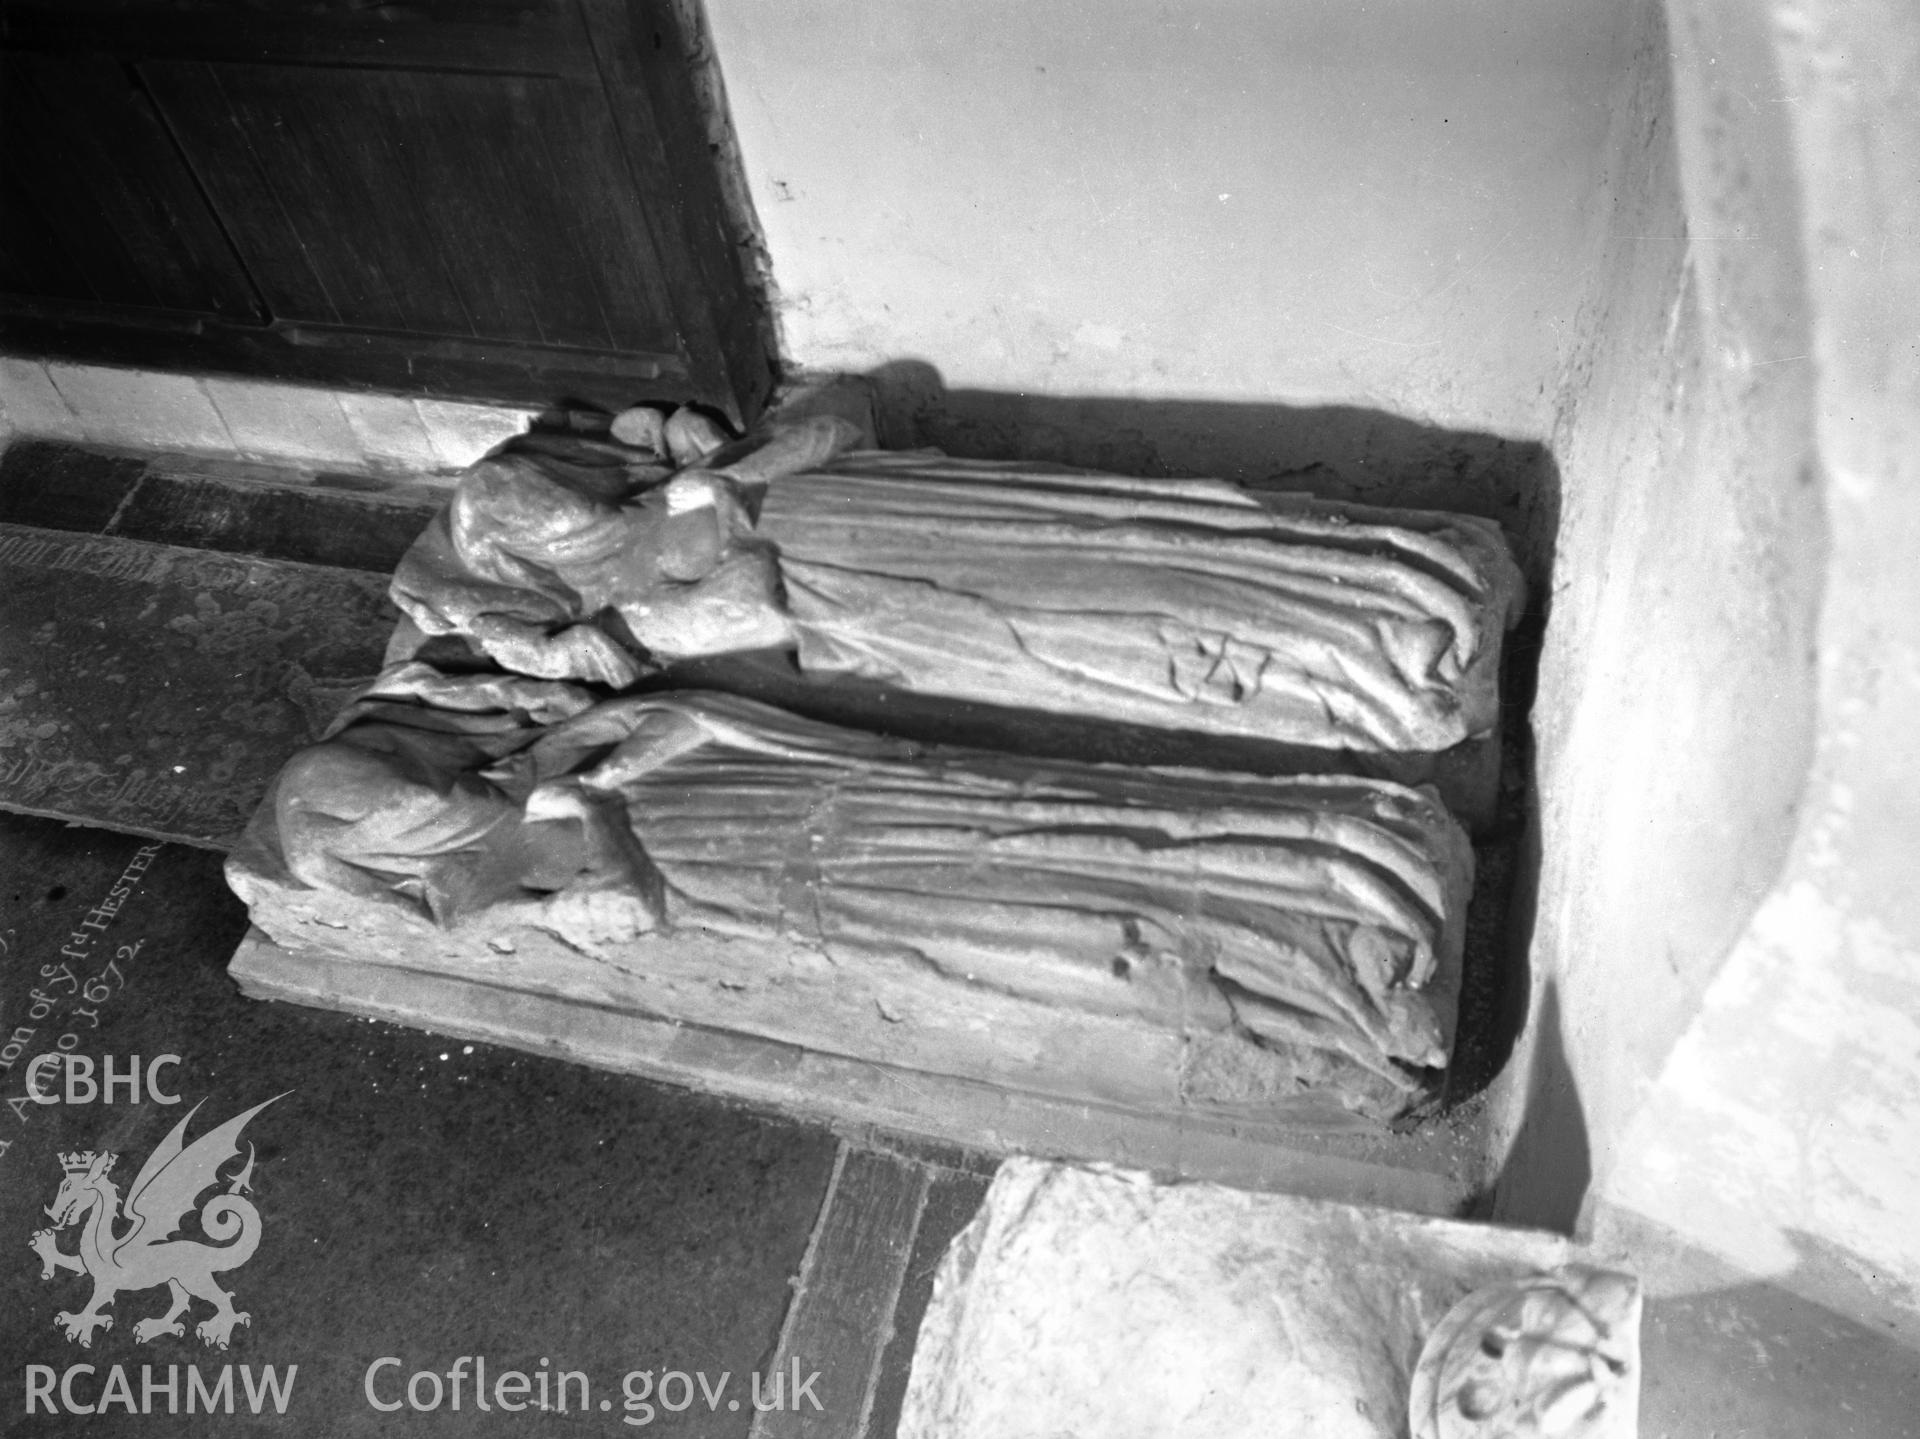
(233, 506)
(953, 1197)
(313, 524)
(420, 1198)
(156, 689)
(844, 1305)
(64, 487)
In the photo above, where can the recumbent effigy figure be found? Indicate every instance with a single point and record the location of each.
(1283, 935)
(1177, 606)
(1242, 942)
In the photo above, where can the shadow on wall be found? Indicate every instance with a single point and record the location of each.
(1342, 452)
(1550, 1163)
(1820, 1348)
(1758, 1360)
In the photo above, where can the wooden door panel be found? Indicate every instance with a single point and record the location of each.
(489, 207)
(100, 207)
(33, 261)
(548, 240)
(300, 196)
(491, 258)
(508, 199)
(534, 37)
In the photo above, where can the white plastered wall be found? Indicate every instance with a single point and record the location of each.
(1379, 204)
(1572, 224)
(1782, 1132)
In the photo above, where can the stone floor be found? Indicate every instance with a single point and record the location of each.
(425, 1199)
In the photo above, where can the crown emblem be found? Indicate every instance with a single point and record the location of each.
(165, 1195)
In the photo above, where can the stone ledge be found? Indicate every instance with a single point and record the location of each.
(1417, 1173)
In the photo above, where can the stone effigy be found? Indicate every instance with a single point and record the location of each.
(1172, 606)
(962, 912)
(532, 799)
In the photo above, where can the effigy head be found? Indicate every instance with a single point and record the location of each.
(673, 435)
(1553, 1355)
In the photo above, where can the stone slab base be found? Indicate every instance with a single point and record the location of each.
(1422, 1173)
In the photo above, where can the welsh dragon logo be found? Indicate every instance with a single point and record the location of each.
(146, 1255)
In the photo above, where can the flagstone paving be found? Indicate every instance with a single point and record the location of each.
(423, 1199)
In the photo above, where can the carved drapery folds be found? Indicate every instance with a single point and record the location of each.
(1178, 605)
(1184, 605)
(1293, 934)
(518, 784)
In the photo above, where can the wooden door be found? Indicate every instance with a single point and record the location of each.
(494, 198)
(97, 209)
